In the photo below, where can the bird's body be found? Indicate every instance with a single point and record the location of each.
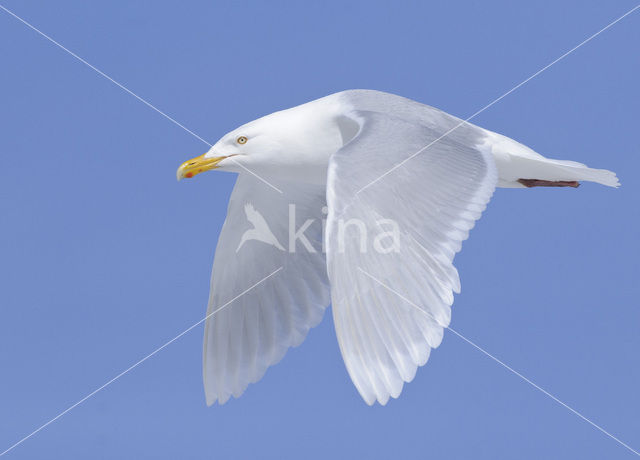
(408, 179)
(316, 130)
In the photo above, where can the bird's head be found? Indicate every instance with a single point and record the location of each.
(249, 144)
(291, 144)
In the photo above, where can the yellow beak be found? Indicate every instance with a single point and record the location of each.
(197, 165)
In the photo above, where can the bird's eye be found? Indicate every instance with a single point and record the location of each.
(242, 140)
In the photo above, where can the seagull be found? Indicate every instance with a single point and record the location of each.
(373, 194)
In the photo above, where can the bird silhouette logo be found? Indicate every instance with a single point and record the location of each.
(260, 230)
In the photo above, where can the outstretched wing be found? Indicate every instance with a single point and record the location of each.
(254, 331)
(392, 296)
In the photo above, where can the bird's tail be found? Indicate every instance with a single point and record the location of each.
(519, 166)
(563, 172)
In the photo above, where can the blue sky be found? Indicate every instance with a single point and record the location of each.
(105, 256)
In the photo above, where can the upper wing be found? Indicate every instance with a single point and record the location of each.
(392, 296)
(254, 331)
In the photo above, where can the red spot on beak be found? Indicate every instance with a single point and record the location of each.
(189, 175)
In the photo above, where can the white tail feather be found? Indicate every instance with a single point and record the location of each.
(517, 161)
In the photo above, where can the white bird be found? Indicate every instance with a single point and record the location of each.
(348, 166)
